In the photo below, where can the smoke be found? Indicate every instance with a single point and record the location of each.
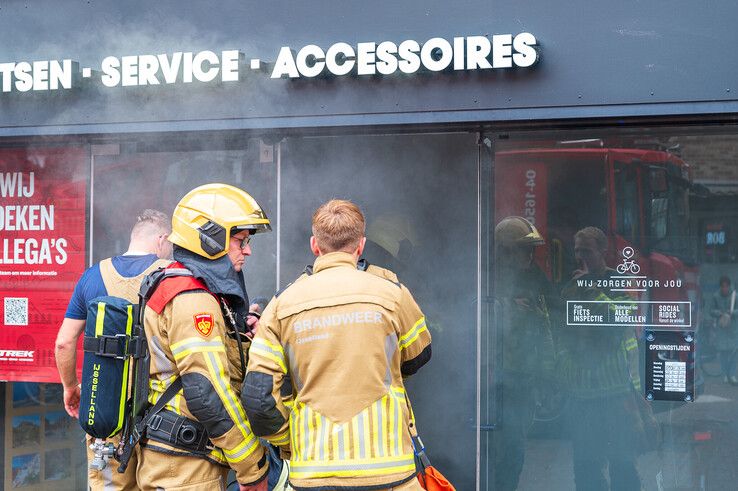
(428, 183)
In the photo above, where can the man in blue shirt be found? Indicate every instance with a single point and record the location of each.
(118, 276)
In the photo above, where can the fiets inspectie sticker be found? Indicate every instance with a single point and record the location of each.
(635, 313)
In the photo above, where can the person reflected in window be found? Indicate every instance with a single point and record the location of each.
(598, 367)
(723, 310)
(526, 349)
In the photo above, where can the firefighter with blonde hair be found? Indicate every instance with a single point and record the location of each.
(346, 337)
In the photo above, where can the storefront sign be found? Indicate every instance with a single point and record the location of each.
(669, 366)
(42, 254)
(467, 53)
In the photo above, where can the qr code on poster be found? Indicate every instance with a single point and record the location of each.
(16, 311)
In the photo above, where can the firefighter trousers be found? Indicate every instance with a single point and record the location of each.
(160, 471)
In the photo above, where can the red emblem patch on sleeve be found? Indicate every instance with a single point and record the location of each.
(204, 323)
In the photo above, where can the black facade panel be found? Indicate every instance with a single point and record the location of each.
(596, 59)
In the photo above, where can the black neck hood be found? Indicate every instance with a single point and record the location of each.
(218, 275)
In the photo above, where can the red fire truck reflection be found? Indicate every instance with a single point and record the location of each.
(638, 197)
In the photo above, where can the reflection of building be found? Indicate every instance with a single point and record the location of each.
(26, 470)
(57, 465)
(43, 445)
(26, 433)
(56, 425)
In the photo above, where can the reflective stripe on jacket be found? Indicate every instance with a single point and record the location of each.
(346, 338)
(187, 339)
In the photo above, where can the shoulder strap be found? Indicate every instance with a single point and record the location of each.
(108, 273)
(139, 431)
(169, 283)
(418, 445)
(167, 396)
(121, 286)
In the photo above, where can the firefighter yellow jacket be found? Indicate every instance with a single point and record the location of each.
(188, 339)
(346, 338)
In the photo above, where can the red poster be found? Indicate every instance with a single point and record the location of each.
(42, 254)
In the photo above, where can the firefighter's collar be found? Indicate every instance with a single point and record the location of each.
(218, 274)
(333, 260)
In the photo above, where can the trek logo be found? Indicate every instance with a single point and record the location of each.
(15, 355)
(204, 323)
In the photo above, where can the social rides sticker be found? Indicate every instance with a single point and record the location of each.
(204, 323)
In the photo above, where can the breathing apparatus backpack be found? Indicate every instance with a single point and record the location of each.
(109, 345)
(115, 369)
(115, 375)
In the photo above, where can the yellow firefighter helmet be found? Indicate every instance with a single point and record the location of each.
(517, 232)
(395, 234)
(206, 217)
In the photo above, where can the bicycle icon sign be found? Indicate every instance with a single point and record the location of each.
(628, 265)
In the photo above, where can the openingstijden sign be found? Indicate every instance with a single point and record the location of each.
(465, 53)
(42, 254)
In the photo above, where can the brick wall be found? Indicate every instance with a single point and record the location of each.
(712, 158)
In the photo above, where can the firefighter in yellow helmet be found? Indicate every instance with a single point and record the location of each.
(390, 241)
(346, 338)
(526, 356)
(191, 324)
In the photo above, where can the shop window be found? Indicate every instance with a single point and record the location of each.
(418, 193)
(160, 175)
(585, 386)
(42, 443)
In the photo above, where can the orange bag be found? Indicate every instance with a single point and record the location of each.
(429, 477)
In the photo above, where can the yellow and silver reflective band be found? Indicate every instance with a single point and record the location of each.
(322, 446)
(395, 423)
(196, 345)
(217, 455)
(305, 431)
(631, 344)
(409, 337)
(242, 450)
(157, 389)
(376, 432)
(222, 386)
(124, 382)
(293, 436)
(274, 352)
(352, 468)
(378, 413)
(280, 439)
